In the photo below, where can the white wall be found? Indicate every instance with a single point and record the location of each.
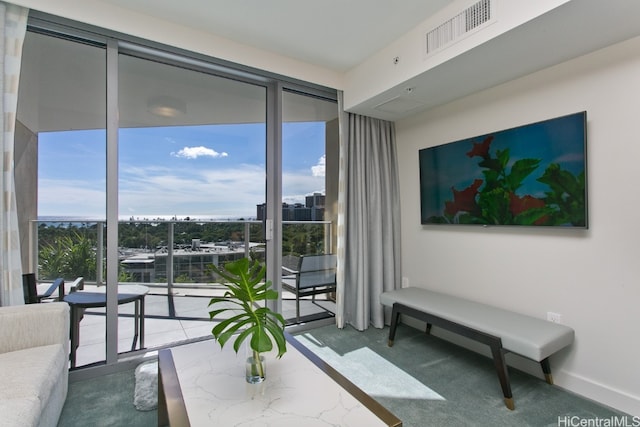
(592, 277)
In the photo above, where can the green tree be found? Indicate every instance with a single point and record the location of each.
(68, 256)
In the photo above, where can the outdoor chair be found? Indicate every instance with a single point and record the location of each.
(77, 285)
(316, 274)
(35, 293)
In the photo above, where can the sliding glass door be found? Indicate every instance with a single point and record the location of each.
(191, 170)
(62, 188)
(309, 193)
(150, 166)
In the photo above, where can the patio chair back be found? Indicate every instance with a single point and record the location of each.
(317, 270)
(32, 294)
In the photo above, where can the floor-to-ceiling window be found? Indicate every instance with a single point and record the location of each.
(192, 175)
(192, 168)
(61, 114)
(309, 188)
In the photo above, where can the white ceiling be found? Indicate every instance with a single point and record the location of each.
(341, 34)
(336, 34)
(575, 28)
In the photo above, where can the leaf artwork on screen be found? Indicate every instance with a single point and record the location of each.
(542, 184)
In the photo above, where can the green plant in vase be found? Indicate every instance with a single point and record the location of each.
(246, 292)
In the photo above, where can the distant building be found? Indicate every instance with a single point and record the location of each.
(312, 210)
(188, 262)
(315, 200)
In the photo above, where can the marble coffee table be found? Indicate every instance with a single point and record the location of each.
(202, 385)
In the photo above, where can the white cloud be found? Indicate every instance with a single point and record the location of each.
(155, 191)
(218, 192)
(297, 184)
(195, 152)
(319, 169)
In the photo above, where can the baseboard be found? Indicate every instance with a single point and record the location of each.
(574, 383)
(600, 393)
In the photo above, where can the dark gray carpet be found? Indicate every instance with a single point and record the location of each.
(445, 385)
(105, 401)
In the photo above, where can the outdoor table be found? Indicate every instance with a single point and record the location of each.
(81, 300)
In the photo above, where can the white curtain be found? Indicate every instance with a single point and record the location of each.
(340, 233)
(368, 221)
(14, 23)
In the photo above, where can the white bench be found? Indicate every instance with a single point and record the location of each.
(502, 330)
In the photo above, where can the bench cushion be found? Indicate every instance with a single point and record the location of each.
(528, 336)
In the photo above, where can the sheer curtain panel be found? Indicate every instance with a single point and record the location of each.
(371, 220)
(14, 24)
(340, 229)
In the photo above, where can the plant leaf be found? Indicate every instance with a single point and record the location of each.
(519, 171)
(246, 287)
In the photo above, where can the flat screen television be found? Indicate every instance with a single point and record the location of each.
(531, 175)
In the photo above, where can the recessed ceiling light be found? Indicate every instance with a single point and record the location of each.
(166, 106)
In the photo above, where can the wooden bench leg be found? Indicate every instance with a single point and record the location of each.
(503, 374)
(546, 368)
(395, 319)
(495, 343)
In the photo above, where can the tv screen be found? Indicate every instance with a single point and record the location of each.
(531, 175)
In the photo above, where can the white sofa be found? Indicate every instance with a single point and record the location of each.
(34, 360)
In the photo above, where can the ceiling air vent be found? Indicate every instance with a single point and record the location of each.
(399, 105)
(456, 27)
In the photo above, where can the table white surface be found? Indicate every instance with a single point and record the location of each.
(295, 392)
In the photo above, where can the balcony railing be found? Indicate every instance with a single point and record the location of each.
(163, 253)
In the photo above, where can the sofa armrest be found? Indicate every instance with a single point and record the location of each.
(33, 325)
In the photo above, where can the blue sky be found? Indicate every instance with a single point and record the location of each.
(212, 171)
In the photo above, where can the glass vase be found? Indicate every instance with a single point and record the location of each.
(255, 368)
